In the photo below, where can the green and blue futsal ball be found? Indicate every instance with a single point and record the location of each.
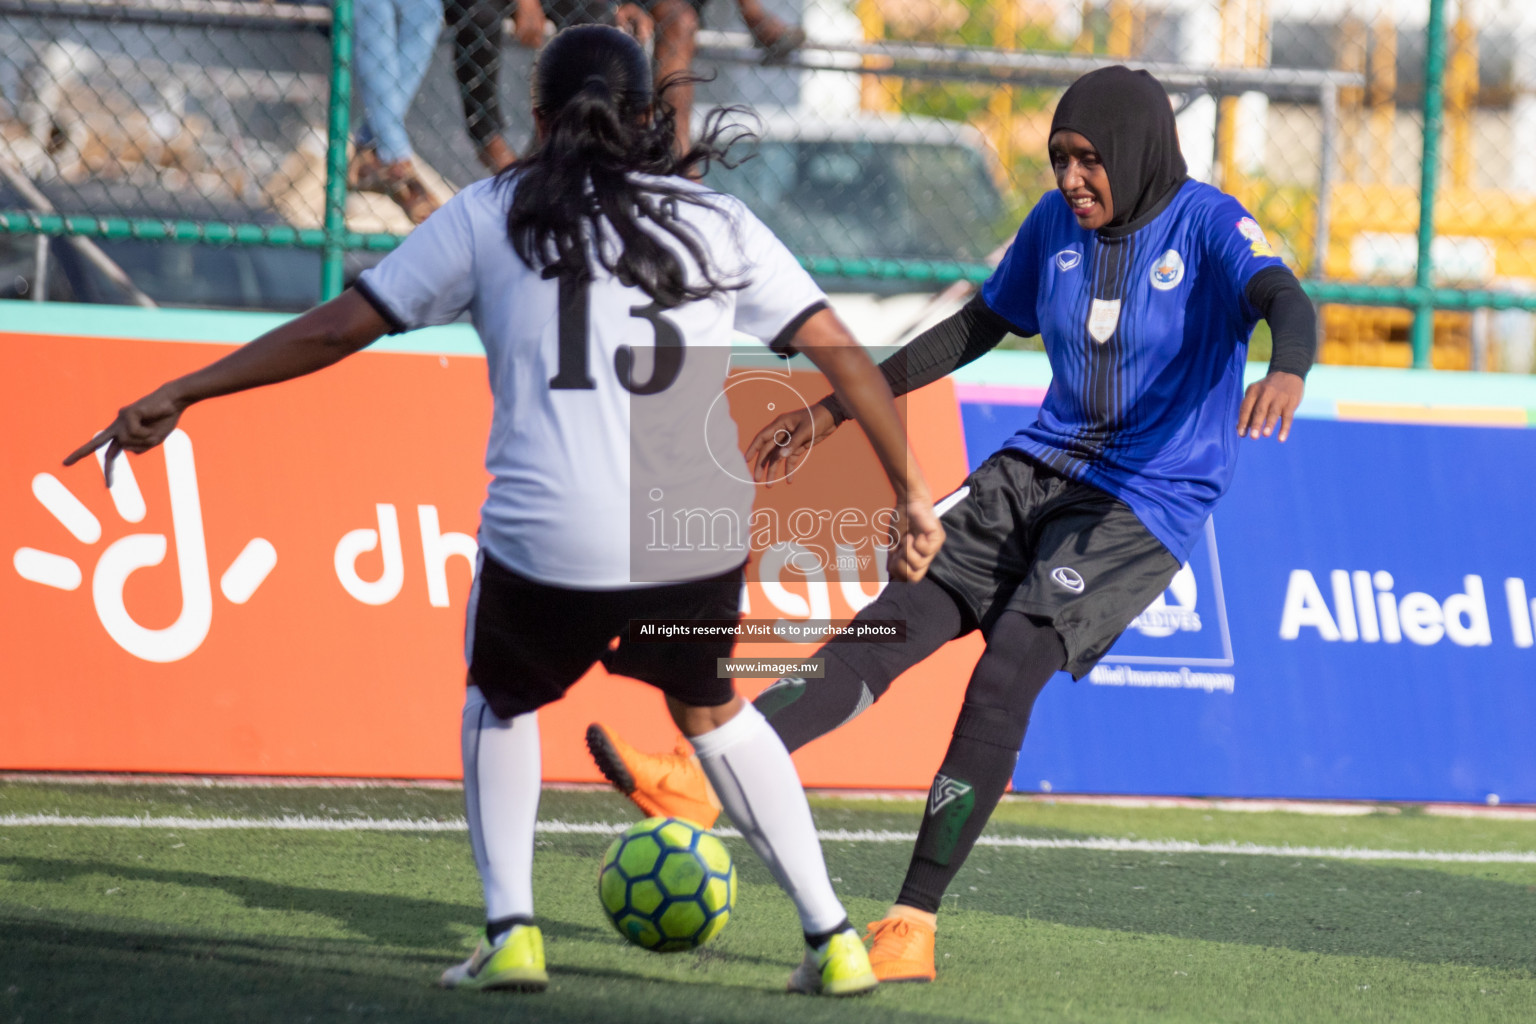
(667, 885)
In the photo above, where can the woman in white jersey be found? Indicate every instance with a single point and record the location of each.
(605, 287)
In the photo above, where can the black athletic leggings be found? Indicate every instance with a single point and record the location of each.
(1019, 659)
(478, 36)
(1022, 654)
(477, 40)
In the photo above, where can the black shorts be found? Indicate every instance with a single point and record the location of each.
(527, 642)
(1023, 537)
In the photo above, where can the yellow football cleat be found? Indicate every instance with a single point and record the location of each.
(517, 963)
(662, 785)
(839, 968)
(901, 949)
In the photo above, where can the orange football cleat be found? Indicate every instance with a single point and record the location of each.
(901, 949)
(662, 785)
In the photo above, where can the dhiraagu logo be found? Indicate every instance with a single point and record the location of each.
(128, 554)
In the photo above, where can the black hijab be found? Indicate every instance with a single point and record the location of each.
(1126, 116)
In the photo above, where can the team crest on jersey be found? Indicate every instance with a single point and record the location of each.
(944, 792)
(1168, 271)
(1258, 241)
(1067, 259)
(1103, 318)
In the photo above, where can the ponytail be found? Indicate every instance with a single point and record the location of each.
(602, 126)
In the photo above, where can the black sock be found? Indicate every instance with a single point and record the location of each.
(1022, 654)
(817, 939)
(494, 930)
(970, 782)
(858, 672)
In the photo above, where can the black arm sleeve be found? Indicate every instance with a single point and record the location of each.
(940, 350)
(1277, 295)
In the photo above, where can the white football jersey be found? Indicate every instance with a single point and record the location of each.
(614, 460)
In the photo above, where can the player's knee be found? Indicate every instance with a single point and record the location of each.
(697, 719)
(1022, 654)
(865, 663)
(990, 682)
(995, 726)
(508, 700)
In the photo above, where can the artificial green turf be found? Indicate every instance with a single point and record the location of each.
(113, 924)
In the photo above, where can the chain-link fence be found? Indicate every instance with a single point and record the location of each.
(899, 141)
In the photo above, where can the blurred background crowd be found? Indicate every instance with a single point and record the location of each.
(898, 142)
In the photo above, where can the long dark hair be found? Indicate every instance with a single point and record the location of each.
(602, 125)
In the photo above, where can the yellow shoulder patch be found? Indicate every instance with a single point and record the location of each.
(1257, 240)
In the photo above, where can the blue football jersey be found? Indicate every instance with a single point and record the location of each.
(1147, 335)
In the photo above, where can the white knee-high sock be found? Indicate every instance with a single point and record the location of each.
(759, 788)
(502, 775)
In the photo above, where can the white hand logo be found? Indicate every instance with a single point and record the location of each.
(142, 550)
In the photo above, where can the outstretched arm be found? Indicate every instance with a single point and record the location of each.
(858, 384)
(952, 343)
(942, 349)
(324, 335)
(1272, 402)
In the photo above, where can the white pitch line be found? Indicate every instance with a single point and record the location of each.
(305, 823)
(287, 823)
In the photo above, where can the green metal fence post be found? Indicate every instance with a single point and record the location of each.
(338, 127)
(1434, 97)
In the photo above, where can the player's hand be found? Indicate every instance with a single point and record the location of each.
(528, 23)
(782, 445)
(633, 19)
(1268, 403)
(138, 428)
(919, 535)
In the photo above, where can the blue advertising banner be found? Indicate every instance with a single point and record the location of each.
(1357, 623)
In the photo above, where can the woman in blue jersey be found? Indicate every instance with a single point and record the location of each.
(606, 288)
(1145, 286)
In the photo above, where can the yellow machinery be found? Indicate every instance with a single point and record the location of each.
(1481, 240)
(1488, 236)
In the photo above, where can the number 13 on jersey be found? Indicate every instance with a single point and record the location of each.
(575, 342)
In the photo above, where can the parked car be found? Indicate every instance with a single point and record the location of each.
(187, 274)
(195, 275)
(870, 187)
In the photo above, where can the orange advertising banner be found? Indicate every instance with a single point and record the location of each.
(280, 589)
